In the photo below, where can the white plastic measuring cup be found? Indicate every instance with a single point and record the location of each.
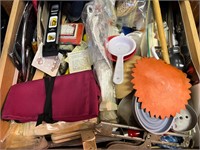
(120, 46)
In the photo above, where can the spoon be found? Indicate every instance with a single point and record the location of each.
(120, 46)
(177, 60)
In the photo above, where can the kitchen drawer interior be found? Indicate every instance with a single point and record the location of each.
(182, 44)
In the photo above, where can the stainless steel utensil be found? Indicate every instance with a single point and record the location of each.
(176, 58)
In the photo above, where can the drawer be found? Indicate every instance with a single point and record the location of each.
(8, 72)
(191, 33)
(7, 5)
(7, 68)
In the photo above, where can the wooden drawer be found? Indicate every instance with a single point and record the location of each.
(7, 5)
(8, 70)
(191, 33)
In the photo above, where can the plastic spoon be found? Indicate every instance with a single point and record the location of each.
(120, 46)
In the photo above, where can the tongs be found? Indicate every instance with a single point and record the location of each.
(22, 53)
(106, 129)
(26, 50)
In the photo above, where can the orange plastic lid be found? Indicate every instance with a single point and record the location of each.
(162, 89)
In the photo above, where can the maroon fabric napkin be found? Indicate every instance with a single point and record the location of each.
(74, 97)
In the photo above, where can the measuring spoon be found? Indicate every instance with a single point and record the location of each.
(120, 46)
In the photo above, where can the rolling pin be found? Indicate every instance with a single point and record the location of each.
(161, 33)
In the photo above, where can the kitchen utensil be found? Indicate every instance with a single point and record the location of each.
(154, 52)
(126, 87)
(177, 61)
(120, 46)
(185, 120)
(161, 32)
(171, 139)
(124, 111)
(176, 58)
(162, 89)
(22, 53)
(51, 37)
(151, 124)
(148, 140)
(113, 57)
(137, 37)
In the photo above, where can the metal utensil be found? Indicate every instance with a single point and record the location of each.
(105, 129)
(176, 58)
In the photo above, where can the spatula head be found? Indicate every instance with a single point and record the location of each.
(162, 89)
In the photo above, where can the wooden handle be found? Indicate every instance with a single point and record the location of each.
(88, 140)
(38, 75)
(161, 33)
(60, 136)
(67, 139)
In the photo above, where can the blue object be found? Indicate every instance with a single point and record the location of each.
(170, 139)
(127, 30)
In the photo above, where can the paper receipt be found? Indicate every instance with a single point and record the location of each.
(79, 61)
(48, 65)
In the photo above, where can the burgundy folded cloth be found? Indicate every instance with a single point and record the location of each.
(75, 97)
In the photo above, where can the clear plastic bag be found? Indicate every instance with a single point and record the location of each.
(98, 16)
(29, 136)
(131, 13)
(21, 136)
(149, 22)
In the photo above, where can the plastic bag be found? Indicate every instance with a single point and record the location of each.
(149, 22)
(98, 16)
(20, 136)
(131, 13)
